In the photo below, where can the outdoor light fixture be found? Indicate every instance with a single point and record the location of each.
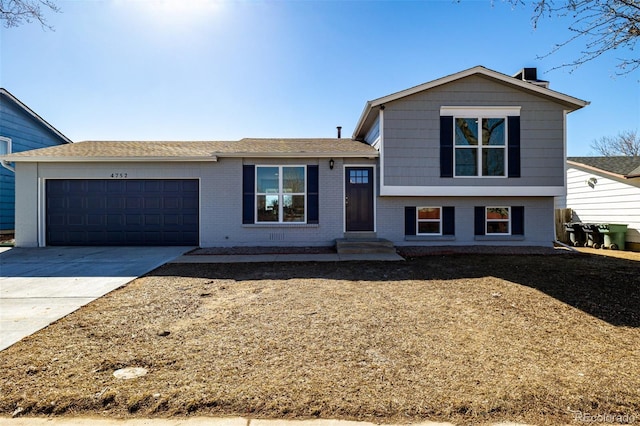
(331, 163)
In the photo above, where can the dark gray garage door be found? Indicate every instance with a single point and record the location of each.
(141, 212)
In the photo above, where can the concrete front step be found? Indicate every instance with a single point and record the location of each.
(364, 246)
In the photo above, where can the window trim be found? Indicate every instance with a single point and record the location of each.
(505, 111)
(8, 141)
(439, 221)
(487, 220)
(280, 195)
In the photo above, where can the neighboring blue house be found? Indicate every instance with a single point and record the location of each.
(21, 129)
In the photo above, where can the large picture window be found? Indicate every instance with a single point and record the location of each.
(280, 194)
(480, 146)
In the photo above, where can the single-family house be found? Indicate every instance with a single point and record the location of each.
(475, 157)
(21, 129)
(606, 190)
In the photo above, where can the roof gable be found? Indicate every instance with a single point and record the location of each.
(569, 102)
(29, 112)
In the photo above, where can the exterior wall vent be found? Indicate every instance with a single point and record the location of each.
(276, 236)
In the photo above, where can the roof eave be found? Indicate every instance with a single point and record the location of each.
(361, 120)
(301, 154)
(211, 158)
(597, 170)
(33, 114)
(25, 159)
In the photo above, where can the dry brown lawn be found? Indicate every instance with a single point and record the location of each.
(466, 338)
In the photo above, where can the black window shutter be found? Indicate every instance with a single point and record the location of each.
(517, 220)
(409, 220)
(448, 221)
(446, 146)
(479, 220)
(313, 207)
(248, 193)
(513, 144)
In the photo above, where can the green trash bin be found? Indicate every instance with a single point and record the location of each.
(614, 235)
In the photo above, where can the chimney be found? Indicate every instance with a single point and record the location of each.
(530, 75)
(339, 131)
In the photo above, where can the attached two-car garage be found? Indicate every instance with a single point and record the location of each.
(114, 212)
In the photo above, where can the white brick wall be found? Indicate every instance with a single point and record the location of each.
(221, 204)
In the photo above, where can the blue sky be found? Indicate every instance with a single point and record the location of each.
(224, 70)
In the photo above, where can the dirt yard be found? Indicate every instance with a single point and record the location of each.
(465, 338)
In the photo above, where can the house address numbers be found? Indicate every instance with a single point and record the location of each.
(119, 175)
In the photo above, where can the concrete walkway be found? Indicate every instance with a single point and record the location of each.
(251, 258)
(41, 285)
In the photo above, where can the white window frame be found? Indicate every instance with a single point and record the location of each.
(8, 142)
(281, 194)
(487, 220)
(481, 147)
(418, 220)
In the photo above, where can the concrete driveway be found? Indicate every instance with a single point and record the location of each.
(41, 285)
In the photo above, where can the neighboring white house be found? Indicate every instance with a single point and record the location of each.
(606, 190)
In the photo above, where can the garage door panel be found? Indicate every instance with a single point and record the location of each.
(75, 202)
(96, 185)
(95, 220)
(77, 186)
(118, 212)
(190, 220)
(153, 220)
(96, 202)
(134, 186)
(152, 202)
(190, 186)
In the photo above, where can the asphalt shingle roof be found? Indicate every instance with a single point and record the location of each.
(175, 150)
(625, 166)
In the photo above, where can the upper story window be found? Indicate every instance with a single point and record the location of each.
(5, 146)
(480, 141)
(480, 146)
(280, 194)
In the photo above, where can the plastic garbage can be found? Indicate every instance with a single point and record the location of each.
(576, 234)
(593, 236)
(614, 235)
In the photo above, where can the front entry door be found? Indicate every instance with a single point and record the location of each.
(358, 199)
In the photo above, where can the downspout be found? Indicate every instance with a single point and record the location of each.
(6, 165)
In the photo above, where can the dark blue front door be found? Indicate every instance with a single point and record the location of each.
(358, 199)
(134, 212)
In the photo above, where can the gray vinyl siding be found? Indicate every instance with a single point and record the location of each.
(411, 146)
(220, 198)
(539, 228)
